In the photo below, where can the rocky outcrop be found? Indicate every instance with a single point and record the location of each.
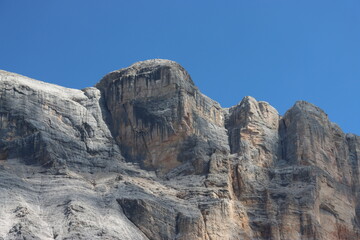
(161, 120)
(310, 141)
(53, 126)
(145, 155)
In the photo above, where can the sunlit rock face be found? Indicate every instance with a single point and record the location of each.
(145, 155)
(161, 120)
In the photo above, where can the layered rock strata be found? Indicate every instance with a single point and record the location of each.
(160, 119)
(145, 155)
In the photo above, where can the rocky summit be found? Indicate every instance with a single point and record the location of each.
(145, 155)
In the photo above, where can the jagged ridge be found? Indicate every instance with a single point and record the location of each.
(145, 155)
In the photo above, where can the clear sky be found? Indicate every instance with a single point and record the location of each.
(276, 51)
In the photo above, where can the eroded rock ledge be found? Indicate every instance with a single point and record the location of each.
(145, 155)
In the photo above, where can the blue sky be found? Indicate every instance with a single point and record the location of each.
(276, 51)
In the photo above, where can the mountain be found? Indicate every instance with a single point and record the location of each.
(145, 155)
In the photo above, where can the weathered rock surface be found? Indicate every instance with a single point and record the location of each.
(161, 120)
(145, 155)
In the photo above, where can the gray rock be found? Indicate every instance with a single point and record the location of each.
(156, 113)
(145, 155)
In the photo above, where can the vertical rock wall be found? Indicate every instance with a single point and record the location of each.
(160, 119)
(69, 163)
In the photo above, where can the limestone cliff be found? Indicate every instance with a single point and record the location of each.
(145, 155)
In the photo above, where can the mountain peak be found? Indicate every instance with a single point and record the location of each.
(145, 155)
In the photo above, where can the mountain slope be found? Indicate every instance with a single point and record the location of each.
(145, 155)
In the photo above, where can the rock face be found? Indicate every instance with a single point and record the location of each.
(161, 120)
(145, 155)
